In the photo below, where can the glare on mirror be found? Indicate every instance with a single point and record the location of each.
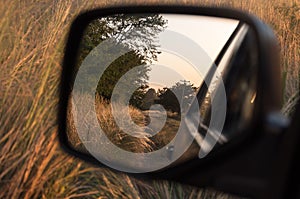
(137, 77)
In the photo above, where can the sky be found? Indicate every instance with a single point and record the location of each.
(189, 45)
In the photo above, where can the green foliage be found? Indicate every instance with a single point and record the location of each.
(179, 95)
(136, 32)
(117, 69)
(148, 99)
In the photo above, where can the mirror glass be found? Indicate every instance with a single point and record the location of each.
(154, 90)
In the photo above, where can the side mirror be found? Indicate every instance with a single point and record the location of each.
(167, 92)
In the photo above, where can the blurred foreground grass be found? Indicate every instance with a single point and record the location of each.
(32, 39)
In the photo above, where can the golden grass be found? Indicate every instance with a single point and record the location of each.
(109, 127)
(117, 136)
(32, 38)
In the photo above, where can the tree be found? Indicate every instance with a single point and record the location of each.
(178, 96)
(148, 99)
(138, 33)
(169, 100)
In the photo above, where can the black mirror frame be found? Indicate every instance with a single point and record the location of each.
(269, 87)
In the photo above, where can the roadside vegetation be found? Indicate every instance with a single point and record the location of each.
(32, 39)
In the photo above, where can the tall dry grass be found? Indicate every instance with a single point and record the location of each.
(32, 38)
(108, 125)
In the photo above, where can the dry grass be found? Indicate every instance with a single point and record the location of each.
(109, 127)
(145, 143)
(32, 37)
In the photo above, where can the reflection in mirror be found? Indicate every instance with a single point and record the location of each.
(138, 78)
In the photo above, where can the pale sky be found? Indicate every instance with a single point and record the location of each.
(189, 46)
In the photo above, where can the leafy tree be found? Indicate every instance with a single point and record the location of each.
(181, 94)
(169, 100)
(148, 99)
(136, 32)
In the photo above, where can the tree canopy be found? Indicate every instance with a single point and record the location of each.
(136, 32)
(177, 97)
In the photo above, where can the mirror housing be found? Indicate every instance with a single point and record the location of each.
(233, 167)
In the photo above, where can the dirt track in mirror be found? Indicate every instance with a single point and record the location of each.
(32, 40)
